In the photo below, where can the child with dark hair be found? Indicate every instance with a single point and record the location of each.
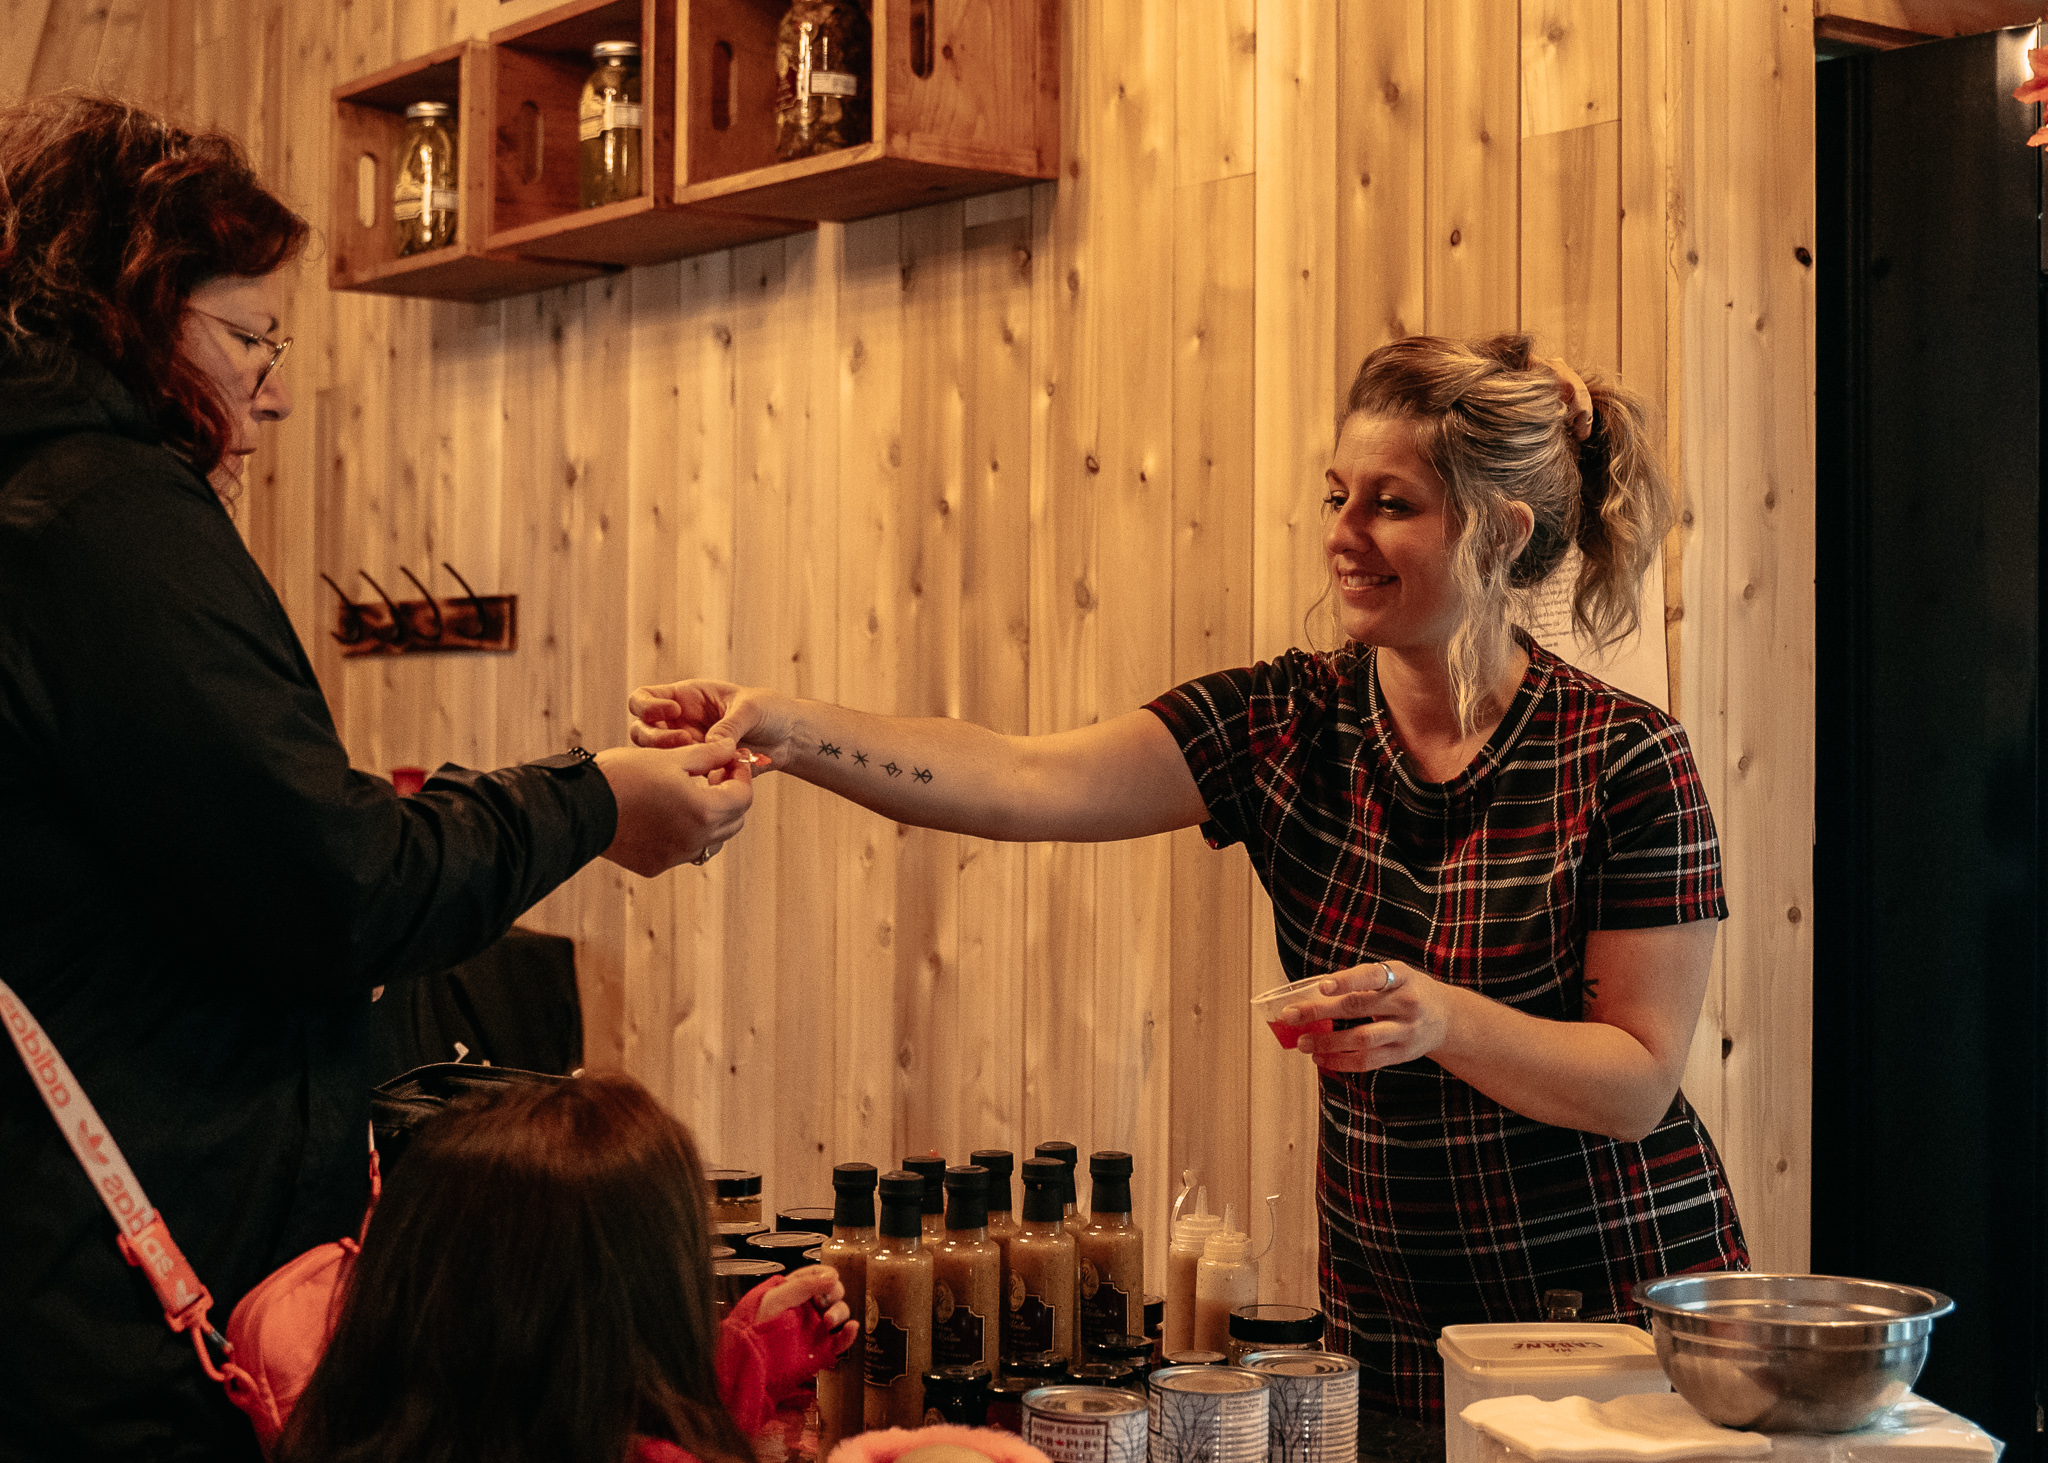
(536, 1284)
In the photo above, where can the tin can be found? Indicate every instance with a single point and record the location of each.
(1208, 1414)
(1312, 1407)
(1088, 1424)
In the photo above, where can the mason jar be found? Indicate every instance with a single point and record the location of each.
(608, 125)
(425, 203)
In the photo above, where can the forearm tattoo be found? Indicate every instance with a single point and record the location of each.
(860, 759)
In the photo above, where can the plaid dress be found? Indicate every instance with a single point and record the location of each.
(1584, 811)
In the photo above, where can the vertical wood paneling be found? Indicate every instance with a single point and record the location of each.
(1210, 931)
(1296, 375)
(1069, 311)
(1471, 186)
(1380, 167)
(870, 1126)
(995, 613)
(1032, 459)
(1571, 244)
(1134, 568)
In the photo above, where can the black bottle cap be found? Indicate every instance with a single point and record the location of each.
(811, 1221)
(1121, 1348)
(1277, 1325)
(967, 1196)
(932, 1169)
(853, 1195)
(1110, 1173)
(902, 1203)
(1000, 1163)
(1047, 1366)
(785, 1247)
(1069, 1157)
(1045, 1182)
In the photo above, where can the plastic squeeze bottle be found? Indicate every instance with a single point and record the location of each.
(1226, 1277)
(1189, 1234)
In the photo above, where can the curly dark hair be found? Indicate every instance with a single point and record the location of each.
(109, 219)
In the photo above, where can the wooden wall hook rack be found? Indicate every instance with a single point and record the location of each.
(385, 626)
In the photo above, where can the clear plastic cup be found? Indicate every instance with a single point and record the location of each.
(1267, 1006)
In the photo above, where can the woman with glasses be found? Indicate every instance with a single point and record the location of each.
(197, 893)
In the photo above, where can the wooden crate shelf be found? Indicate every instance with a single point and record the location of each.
(537, 70)
(369, 122)
(966, 100)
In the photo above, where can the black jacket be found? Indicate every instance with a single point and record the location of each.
(197, 895)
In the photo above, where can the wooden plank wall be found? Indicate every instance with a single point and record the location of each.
(1031, 459)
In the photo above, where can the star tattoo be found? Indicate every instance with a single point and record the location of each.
(923, 774)
(826, 749)
(892, 769)
(860, 759)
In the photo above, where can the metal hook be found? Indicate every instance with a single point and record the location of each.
(397, 621)
(352, 614)
(469, 593)
(432, 604)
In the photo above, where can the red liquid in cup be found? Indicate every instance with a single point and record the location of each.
(1289, 1033)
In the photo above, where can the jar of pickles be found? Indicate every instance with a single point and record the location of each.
(608, 126)
(824, 93)
(424, 202)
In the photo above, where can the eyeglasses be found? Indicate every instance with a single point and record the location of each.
(277, 347)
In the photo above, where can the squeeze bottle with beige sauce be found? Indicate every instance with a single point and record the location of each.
(842, 1388)
(967, 1277)
(1038, 1306)
(1112, 1255)
(898, 1323)
(1002, 1223)
(1188, 1235)
(1227, 1277)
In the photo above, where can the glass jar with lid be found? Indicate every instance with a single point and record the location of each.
(824, 92)
(608, 126)
(425, 204)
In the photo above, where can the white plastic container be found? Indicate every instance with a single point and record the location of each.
(1597, 1360)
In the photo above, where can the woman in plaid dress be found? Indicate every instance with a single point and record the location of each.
(1501, 874)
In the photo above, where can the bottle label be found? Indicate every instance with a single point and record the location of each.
(834, 84)
(1031, 1320)
(888, 1355)
(1105, 1310)
(957, 1330)
(610, 115)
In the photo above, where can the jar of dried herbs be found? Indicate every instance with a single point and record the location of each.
(424, 200)
(824, 97)
(608, 125)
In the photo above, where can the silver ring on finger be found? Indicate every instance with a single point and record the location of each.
(1392, 979)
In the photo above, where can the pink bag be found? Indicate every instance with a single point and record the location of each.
(278, 1331)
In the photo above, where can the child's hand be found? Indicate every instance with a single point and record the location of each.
(817, 1285)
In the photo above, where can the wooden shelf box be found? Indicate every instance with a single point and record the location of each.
(538, 68)
(966, 100)
(369, 125)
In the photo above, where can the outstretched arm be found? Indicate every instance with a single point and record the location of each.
(1121, 778)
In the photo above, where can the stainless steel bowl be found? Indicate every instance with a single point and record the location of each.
(1790, 1353)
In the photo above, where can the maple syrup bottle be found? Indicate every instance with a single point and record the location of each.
(967, 1277)
(1112, 1255)
(1038, 1305)
(1002, 1223)
(842, 1387)
(898, 1322)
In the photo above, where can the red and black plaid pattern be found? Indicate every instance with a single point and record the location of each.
(1584, 811)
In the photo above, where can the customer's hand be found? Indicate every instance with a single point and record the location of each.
(814, 1283)
(675, 807)
(687, 713)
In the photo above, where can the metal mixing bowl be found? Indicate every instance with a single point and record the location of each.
(1790, 1353)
